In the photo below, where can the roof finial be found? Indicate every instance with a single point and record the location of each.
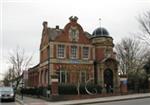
(73, 18)
(100, 22)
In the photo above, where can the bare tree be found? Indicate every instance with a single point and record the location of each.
(147, 66)
(144, 21)
(132, 56)
(7, 77)
(19, 62)
(129, 52)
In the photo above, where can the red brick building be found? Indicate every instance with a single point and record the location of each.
(33, 76)
(75, 56)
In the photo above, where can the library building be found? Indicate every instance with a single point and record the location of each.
(72, 56)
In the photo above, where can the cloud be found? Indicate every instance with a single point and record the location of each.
(22, 20)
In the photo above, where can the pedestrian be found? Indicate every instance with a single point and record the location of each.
(104, 89)
(110, 89)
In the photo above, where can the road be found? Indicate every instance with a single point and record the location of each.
(9, 103)
(145, 101)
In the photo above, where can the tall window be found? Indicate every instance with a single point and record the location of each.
(83, 76)
(85, 52)
(61, 51)
(64, 77)
(73, 52)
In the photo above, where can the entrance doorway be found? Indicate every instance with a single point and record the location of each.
(108, 80)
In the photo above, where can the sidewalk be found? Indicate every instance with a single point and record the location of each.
(35, 101)
(30, 101)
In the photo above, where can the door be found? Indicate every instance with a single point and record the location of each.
(108, 80)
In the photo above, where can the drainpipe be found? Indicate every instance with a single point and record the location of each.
(95, 72)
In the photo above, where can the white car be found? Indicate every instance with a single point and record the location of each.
(7, 93)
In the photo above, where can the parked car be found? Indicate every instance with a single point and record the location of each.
(7, 93)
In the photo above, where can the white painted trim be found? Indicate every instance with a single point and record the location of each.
(89, 48)
(57, 51)
(71, 61)
(44, 48)
(77, 52)
(54, 80)
(122, 79)
(70, 44)
(44, 63)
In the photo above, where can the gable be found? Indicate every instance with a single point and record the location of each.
(73, 33)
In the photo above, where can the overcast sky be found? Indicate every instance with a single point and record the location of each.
(21, 20)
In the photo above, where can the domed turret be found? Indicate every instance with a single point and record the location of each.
(103, 42)
(101, 36)
(100, 32)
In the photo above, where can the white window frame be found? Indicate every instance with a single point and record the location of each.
(71, 52)
(83, 56)
(58, 55)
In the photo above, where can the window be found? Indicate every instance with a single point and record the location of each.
(60, 51)
(73, 52)
(64, 77)
(85, 52)
(83, 76)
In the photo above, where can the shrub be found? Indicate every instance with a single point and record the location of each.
(72, 89)
(63, 89)
(41, 91)
(67, 89)
(91, 88)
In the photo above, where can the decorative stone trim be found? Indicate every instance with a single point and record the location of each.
(122, 79)
(71, 61)
(44, 47)
(71, 44)
(44, 63)
(54, 80)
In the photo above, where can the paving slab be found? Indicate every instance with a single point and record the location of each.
(36, 101)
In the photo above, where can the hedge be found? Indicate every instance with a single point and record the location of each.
(41, 91)
(63, 89)
(72, 89)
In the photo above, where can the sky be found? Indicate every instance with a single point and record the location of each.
(21, 21)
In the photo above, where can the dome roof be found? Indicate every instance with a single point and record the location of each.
(100, 32)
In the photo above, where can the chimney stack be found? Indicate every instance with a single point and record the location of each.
(57, 26)
(45, 23)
